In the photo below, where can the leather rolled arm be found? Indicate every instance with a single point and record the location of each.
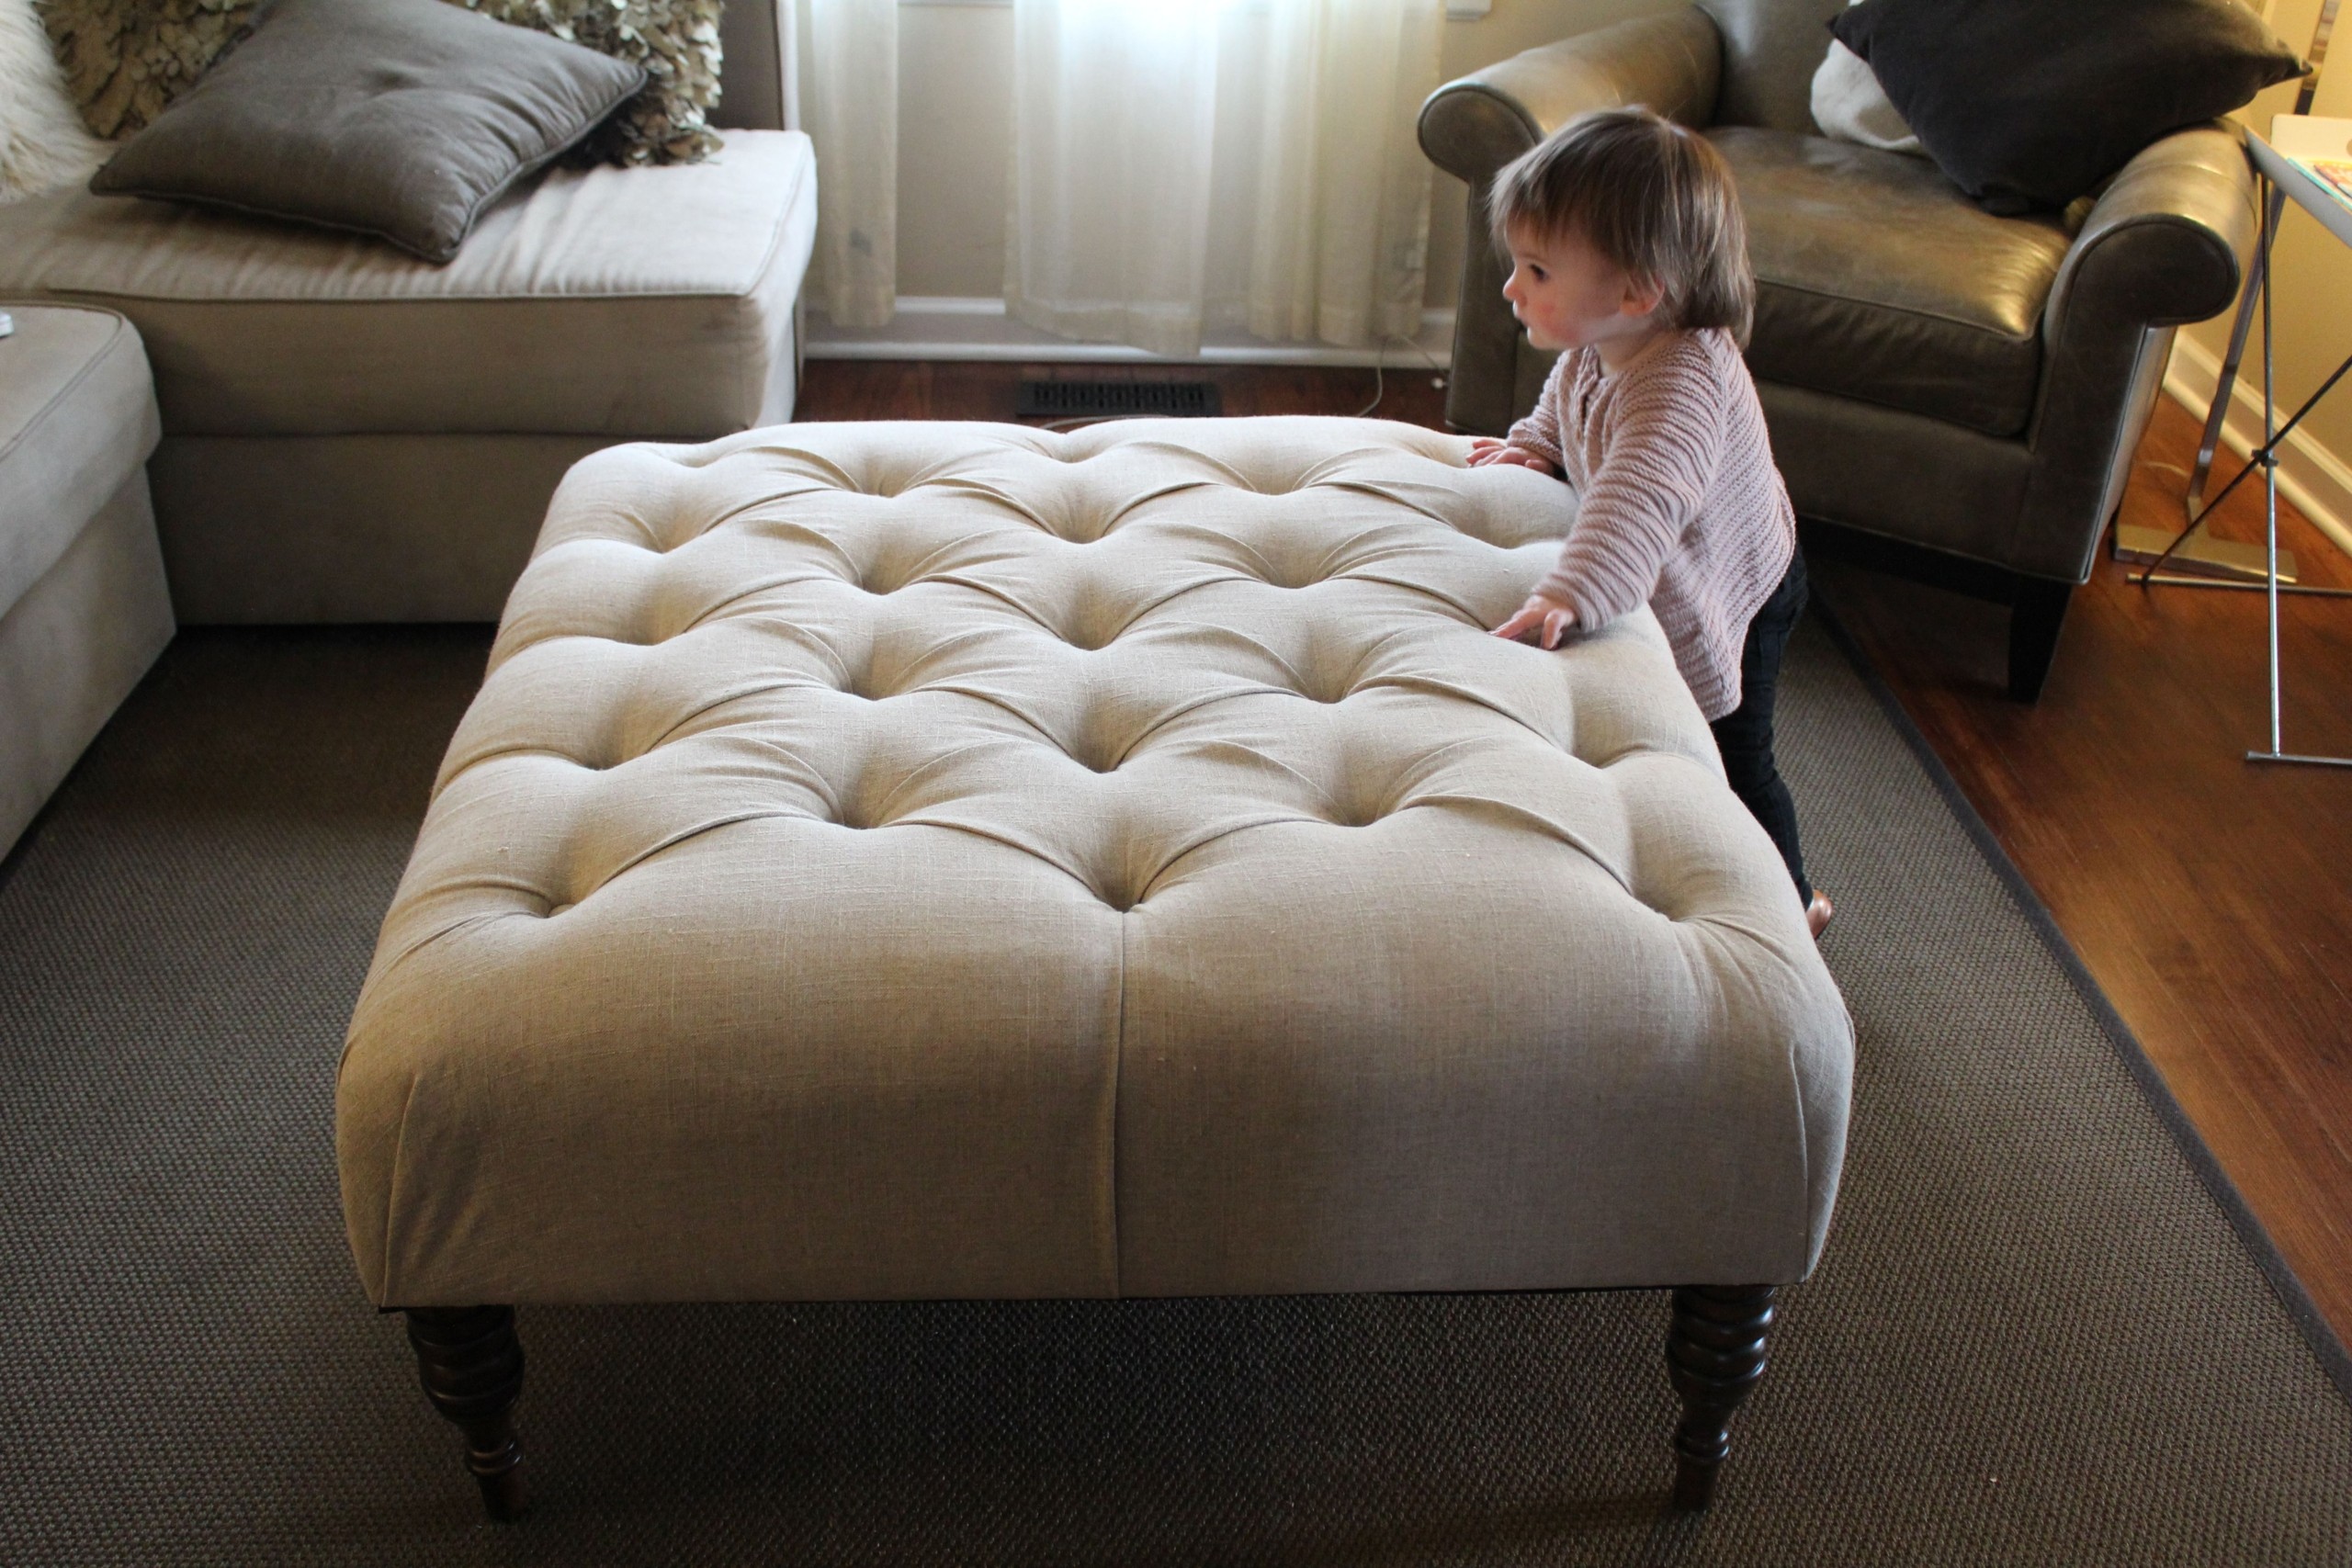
(1471, 127)
(2166, 243)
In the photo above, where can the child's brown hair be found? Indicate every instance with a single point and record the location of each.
(1648, 195)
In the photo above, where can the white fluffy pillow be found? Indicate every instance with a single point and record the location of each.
(43, 140)
(1849, 104)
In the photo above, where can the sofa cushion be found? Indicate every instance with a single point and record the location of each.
(1877, 279)
(629, 302)
(78, 417)
(399, 118)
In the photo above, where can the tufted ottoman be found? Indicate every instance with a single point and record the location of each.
(900, 860)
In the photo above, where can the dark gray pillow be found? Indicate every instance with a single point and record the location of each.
(401, 119)
(2032, 103)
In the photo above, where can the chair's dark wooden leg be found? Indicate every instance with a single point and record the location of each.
(472, 1366)
(1715, 1351)
(2036, 613)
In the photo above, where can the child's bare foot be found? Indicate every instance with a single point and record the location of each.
(1818, 914)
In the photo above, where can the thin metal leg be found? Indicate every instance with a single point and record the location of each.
(2217, 416)
(2271, 477)
(2269, 460)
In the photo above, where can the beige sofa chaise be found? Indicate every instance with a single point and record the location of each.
(83, 607)
(918, 860)
(350, 434)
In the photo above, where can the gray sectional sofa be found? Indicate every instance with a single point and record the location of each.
(349, 434)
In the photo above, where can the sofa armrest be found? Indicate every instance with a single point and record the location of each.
(2168, 239)
(1471, 127)
(2166, 243)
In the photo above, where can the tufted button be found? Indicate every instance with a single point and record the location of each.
(859, 681)
(1090, 633)
(1327, 696)
(1179, 705)
(1094, 760)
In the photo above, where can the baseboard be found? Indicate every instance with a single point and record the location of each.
(964, 327)
(2310, 476)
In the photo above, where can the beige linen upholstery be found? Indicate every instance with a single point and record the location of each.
(318, 382)
(77, 414)
(640, 301)
(426, 527)
(913, 860)
(83, 607)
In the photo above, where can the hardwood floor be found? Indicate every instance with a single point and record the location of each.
(2207, 894)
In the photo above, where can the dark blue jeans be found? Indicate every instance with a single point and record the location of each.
(1744, 736)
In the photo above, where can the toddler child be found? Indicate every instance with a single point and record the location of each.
(1628, 254)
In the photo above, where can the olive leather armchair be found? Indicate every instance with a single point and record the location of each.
(1952, 395)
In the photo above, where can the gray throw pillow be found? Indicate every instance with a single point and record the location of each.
(401, 119)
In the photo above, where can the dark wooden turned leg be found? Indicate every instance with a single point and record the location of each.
(1714, 1352)
(472, 1367)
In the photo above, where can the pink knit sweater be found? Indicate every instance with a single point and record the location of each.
(1680, 507)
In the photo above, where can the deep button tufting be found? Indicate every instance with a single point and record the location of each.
(1094, 755)
(1500, 883)
(861, 681)
(1092, 628)
(1328, 688)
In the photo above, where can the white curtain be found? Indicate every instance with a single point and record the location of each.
(1186, 166)
(849, 97)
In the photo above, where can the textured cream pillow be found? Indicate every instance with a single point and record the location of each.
(676, 42)
(1849, 104)
(42, 141)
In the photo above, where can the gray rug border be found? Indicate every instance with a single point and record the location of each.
(2334, 1358)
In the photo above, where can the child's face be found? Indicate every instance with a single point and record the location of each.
(1567, 295)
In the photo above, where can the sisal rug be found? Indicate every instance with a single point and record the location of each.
(2042, 1332)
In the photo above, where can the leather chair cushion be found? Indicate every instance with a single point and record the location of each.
(950, 859)
(1877, 279)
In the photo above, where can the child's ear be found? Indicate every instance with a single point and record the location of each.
(1643, 294)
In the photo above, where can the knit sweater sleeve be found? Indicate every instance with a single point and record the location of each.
(1540, 432)
(1664, 440)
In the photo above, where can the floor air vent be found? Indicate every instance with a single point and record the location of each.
(1098, 400)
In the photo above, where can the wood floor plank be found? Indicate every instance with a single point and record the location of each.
(2207, 895)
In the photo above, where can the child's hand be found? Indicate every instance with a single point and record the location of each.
(1548, 618)
(1485, 449)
